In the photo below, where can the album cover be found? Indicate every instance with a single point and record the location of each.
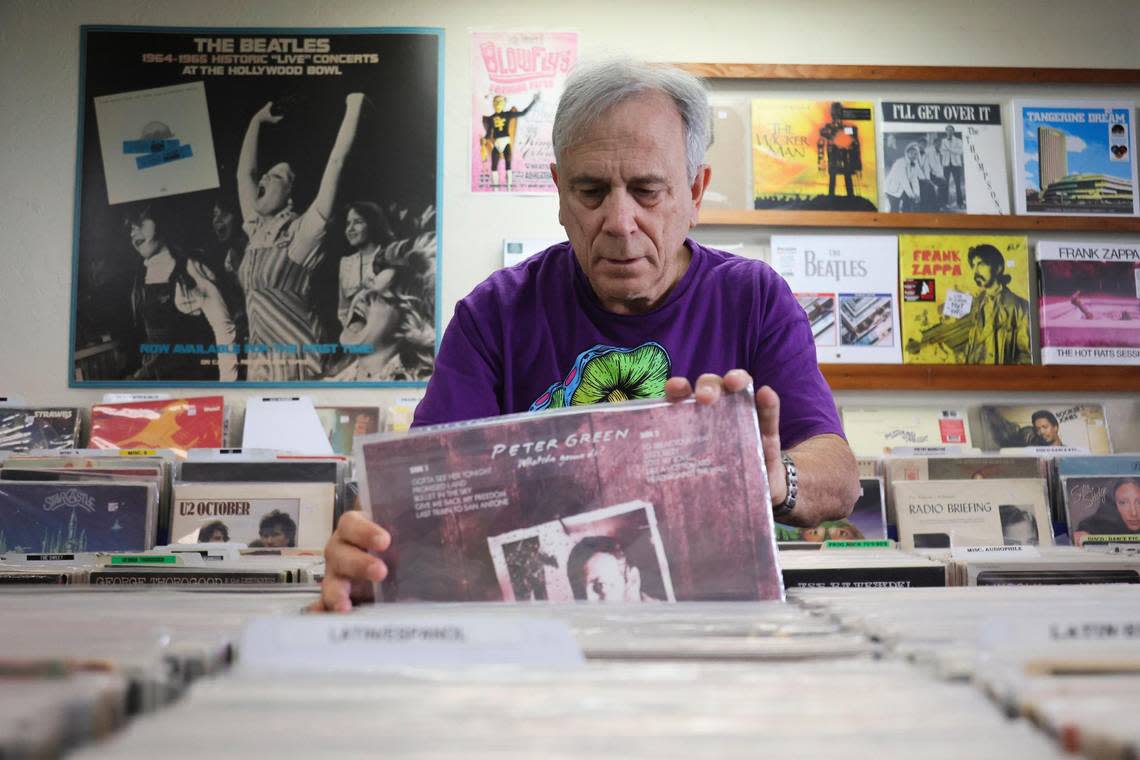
(76, 517)
(156, 142)
(1089, 302)
(1102, 508)
(730, 155)
(635, 501)
(274, 515)
(299, 470)
(943, 158)
(1116, 464)
(867, 519)
(245, 197)
(814, 155)
(961, 468)
(965, 299)
(875, 430)
(32, 428)
(944, 514)
(1075, 157)
(343, 424)
(848, 287)
(1067, 426)
(178, 424)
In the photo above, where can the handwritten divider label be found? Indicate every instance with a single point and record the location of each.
(1051, 645)
(380, 642)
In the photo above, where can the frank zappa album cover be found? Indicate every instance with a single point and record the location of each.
(639, 502)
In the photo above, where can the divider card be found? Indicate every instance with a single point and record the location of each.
(848, 285)
(641, 501)
(1075, 157)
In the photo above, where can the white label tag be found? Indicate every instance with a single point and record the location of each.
(19, 400)
(957, 304)
(966, 552)
(387, 641)
(926, 451)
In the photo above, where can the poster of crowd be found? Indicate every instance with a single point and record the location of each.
(257, 207)
(517, 79)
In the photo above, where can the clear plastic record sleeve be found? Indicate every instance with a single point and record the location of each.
(77, 516)
(38, 428)
(640, 501)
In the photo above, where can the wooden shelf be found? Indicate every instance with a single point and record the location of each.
(972, 377)
(913, 73)
(780, 218)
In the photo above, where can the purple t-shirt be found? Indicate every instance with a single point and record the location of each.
(535, 337)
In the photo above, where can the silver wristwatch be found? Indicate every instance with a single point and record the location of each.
(784, 508)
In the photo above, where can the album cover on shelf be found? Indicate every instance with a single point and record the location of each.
(265, 514)
(343, 424)
(847, 285)
(867, 520)
(816, 155)
(1080, 427)
(875, 430)
(33, 428)
(39, 517)
(961, 468)
(729, 154)
(944, 514)
(1102, 508)
(636, 501)
(1089, 302)
(1075, 157)
(177, 424)
(965, 299)
(942, 158)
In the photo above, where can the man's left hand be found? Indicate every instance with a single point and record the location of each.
(711, 387)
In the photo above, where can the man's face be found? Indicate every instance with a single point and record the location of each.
(273, 190)
(608, 579)
(274, 536)
(1019, 534)
(626, 202)
(983, 274)
(1047, 431)
(1128, 505)
(216, 536)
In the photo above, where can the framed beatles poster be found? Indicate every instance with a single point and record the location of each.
(257, 207)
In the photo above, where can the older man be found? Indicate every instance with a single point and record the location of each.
(629, 142)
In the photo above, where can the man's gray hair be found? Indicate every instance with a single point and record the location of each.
(593, 88)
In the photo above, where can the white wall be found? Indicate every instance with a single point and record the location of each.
(39, 43)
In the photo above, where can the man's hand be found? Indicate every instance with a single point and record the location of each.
(350, 570)
(710, 388)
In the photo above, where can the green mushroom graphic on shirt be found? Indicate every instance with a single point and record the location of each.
(608, 373)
